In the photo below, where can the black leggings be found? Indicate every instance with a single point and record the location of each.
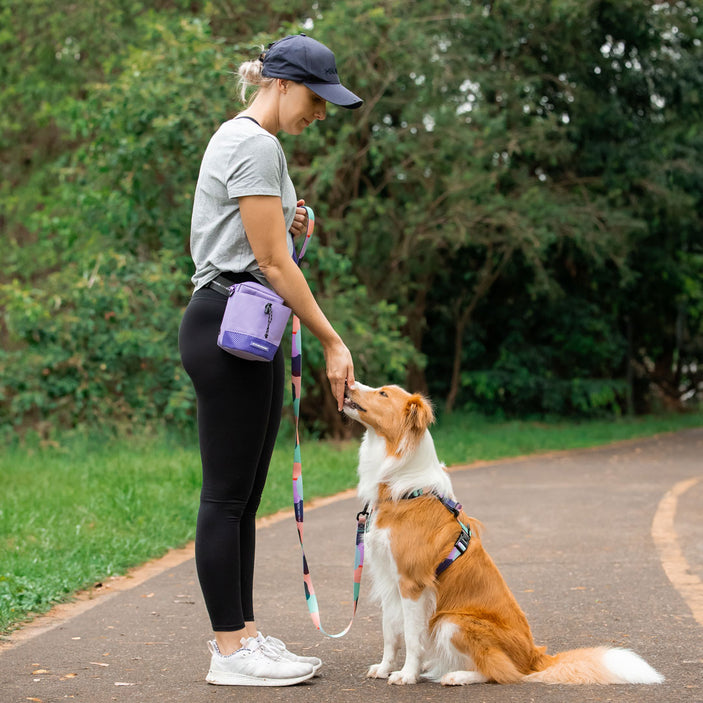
(239, 411)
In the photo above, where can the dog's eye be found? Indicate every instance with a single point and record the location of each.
(383, 393)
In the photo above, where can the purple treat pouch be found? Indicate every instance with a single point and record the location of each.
(254, 321)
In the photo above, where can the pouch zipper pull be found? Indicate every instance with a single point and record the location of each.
(268, 310)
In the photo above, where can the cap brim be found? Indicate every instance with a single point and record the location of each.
(336, 94)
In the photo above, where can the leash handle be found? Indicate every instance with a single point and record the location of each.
(298, 255)
(296, 380)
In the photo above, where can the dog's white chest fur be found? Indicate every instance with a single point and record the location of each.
(402, 473)
(381, 564)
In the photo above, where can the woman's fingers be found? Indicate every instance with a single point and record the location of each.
(340, 372)
(300, 220)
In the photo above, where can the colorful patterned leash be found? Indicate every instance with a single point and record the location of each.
(296, 372)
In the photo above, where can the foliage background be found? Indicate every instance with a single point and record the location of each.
(512, 222)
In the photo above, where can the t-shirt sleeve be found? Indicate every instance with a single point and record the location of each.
(255, 168)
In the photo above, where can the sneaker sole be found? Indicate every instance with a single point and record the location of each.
(243, 680)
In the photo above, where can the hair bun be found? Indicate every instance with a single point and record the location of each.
(250, 76)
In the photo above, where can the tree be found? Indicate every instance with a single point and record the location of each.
(497, 131)
(512, 221)
(120, 204)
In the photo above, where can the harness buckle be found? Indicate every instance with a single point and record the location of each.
(452, 506)
(462, 544)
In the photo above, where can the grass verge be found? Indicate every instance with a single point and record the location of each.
(74, 514)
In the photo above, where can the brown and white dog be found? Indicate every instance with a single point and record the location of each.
(464, 625)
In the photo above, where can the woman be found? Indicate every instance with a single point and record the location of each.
(245, 212)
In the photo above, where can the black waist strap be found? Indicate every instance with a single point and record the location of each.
(224, 281)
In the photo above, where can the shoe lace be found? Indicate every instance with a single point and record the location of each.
(275, 643)
(270, 649)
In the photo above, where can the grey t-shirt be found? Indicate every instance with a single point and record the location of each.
(241, 159)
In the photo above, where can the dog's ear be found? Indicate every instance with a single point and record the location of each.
(418, 413)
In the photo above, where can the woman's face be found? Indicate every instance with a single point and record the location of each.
(299, 108)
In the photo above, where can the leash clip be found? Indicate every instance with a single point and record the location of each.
(363, 515)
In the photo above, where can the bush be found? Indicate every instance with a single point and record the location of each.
(96, 344)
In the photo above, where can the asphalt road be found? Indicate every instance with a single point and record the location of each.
(600, 547)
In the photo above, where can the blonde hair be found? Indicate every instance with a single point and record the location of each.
(250, 77)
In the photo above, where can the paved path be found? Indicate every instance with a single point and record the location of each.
(600, 547)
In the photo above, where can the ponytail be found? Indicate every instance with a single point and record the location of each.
(250, 76)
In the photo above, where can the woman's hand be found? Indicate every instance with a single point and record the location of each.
(300, 221)
(340, 369)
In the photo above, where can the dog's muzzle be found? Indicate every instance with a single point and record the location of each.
(349, 404)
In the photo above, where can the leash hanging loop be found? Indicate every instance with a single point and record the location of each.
(296, 382)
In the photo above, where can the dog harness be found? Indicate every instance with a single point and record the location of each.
(462, 543)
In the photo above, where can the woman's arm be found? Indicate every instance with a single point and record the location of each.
(265, 226)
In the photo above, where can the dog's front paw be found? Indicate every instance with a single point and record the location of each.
(379, 671)
(402, 677)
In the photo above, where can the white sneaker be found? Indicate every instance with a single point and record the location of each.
(275, 646)
(253, 666)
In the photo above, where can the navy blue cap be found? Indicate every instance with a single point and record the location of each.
(301, 59)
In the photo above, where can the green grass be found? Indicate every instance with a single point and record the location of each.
(90, 507)
(74, 515)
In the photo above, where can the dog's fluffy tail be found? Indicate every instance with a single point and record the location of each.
(599, 665)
